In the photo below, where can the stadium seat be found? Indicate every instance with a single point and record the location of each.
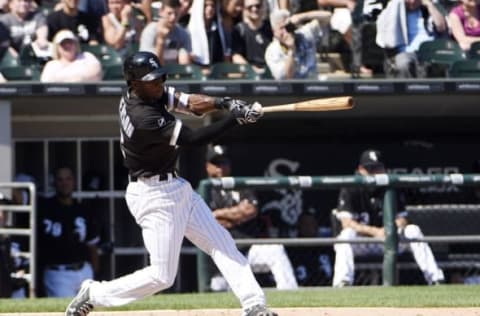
(223, 71)
(469, 68)
(184, 72)
(20, 72)
(106, 54)
(27, 57)
(474, 51)
(8, 60)
(113, 72)
(438, 55)
(267, 74)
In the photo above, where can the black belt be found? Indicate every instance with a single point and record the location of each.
(161, 176)
(68, 266)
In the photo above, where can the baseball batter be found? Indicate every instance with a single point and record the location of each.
(164, 204)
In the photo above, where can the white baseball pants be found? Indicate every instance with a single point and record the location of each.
(61, 282)
(167, 211)
(344, 271)
(262, 259)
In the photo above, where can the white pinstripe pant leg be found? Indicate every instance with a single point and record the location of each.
(162, 210)
(204, 231)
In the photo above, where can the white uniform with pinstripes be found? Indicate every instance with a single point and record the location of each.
(166, 211)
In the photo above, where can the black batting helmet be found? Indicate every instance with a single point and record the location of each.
(143, 66)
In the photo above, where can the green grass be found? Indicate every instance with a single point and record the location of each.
(401, 296)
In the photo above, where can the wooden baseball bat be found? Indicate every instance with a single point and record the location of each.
(326, 104)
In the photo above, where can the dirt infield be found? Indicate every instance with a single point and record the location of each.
(343, 311)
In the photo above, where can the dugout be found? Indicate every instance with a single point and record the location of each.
(422, 126)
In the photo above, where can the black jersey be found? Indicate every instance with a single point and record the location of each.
(252, 44)
(229, 198)
(65, 231)
(366, 204)
(149, 134)
(85, 26)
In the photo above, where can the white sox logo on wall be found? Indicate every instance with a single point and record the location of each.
(290, 201)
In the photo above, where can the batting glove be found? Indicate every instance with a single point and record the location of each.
(248, 114)
(227, 103)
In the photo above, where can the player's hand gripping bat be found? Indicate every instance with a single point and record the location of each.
(326, 104)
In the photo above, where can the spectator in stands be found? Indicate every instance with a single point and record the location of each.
(273, 5)
(121, 28)
(401, 27)
(165, 38)
(209, 46)
(237, 211)
(145, 7)
(292, 53)
(84, 25)
(94, 9)
(67, 238)
(252, 36)
(230, 14)
(184, 12)
(4, 40)
(4, 6)
(70, 64)
(465, 23)
(27, 26)
(349, 19)
(359, 212)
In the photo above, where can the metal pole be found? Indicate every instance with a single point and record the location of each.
(391, 238)
(202, 259)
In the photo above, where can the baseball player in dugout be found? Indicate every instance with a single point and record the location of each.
(237, 211)
(360, 213)
(164, 204)
(67, 238)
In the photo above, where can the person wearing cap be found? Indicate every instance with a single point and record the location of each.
(237, 211)
(360, 214)
(164, 204)
(69, 63)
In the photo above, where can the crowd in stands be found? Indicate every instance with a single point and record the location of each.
(278, 39)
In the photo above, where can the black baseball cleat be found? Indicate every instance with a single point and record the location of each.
(259, 310)
(80, 305)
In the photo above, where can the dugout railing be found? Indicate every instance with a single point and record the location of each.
(30, 231)
(389, 181)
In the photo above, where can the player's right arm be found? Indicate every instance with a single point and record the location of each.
(346, 209)
(235, 215)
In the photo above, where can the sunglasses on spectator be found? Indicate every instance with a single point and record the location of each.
(258, 6)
